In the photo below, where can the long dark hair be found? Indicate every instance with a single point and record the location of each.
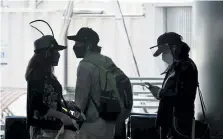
(96, 49)
(182, 50)
(39, 66)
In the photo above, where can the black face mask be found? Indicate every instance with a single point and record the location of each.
(79, 51)
(51, 57)
(55, 58)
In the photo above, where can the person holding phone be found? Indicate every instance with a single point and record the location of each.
(178, 91)
(44, 92)
(154, 89)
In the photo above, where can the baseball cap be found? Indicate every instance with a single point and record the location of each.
(85, 34)
(165, 40)
(47, 41)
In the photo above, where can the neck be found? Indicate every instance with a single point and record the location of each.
(89, 53)
(182, 59)
(47, 70)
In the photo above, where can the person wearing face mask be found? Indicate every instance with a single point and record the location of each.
(88, 84)
(44, 92)
(178, 91)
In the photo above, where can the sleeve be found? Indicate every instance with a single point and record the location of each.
(36, 89)
(181, 80)
(188, 77)
(83, 85)
(169, 86)
(183, 84)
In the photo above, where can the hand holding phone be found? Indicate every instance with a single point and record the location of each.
(154, 89)
(148, 84)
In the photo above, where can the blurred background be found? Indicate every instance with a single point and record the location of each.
(127, 29)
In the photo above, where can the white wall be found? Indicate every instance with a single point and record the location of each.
(143, 31)
(114, 44)
(179, 19)
(19, 37)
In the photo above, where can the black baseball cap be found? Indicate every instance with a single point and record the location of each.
(165, 40)
(85, 34)
(47, 41)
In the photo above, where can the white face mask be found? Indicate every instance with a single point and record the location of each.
(167, 58)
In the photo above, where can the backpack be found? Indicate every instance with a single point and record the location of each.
(116, 97)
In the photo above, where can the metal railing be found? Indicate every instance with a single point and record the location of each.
(142, 97)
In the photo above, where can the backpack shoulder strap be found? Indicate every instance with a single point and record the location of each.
(98, 62)
(202, 103)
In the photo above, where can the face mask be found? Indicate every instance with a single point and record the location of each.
(79, 51)
(167, 58)
(55, 58)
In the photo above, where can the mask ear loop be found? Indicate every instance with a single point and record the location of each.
(174, 59)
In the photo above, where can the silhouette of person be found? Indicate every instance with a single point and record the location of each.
(178, 91)
(44, 92)
(86, 44)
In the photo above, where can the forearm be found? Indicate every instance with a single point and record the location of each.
(81, 98)
(166, 93)
(159, 94)
(55, 113)
(155, 90)
(82, 93)
(83, 84)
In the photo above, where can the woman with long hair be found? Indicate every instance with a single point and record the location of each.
(44, 92)
(178, 92)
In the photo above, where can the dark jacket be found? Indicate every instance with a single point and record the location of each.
(43, 94)
(183, 83)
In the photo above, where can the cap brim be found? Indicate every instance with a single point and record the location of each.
(74, 38)
(157, 53)
(60, 47)
(161, 48)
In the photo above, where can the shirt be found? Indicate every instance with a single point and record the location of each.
(88, 76)
(181, 81)
(42, 95)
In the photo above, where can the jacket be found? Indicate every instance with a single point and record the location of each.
(42, 94)
(88, 82)
(178, 92)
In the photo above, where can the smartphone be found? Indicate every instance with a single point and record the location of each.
(148, 84)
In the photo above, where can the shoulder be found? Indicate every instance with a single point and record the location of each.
(86, 69)
(110, 62)
(97, 60)
(187, 66)
(35, 86)
(35, 81)
(86, 65)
